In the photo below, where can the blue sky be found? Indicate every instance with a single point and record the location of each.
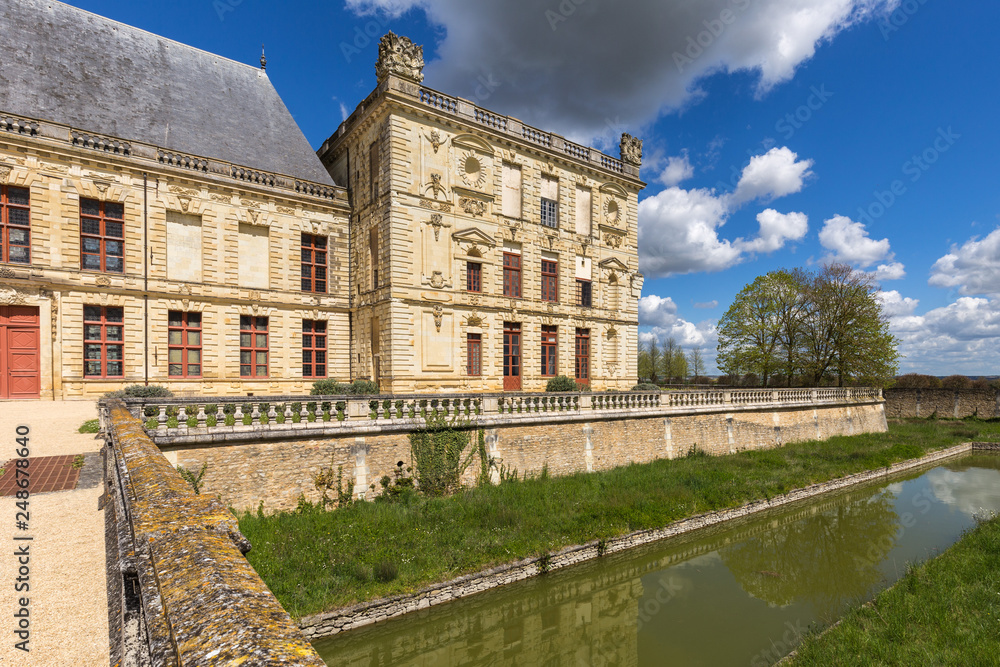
(777, 133)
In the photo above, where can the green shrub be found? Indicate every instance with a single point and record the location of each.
(645, 386)
(334, 388)
(140, 391)
(561, 383)
(90, 426)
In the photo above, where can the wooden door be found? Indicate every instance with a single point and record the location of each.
(20, 367)
(511, 356)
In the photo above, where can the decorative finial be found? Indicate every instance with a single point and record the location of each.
(263, 59)
(631, 149)
(398, 55)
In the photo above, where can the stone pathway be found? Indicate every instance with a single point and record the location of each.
(68, 597)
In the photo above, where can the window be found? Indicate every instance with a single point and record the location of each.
(549, 343)
(511, 190)
(473, 277)
(313, 263)
(474, 345)
(313, 349)
(550, 213)
(373, 254)
(550, 280)
(550, 202)
(584, 203)
(253, 346)
(103, 341)
(584, 295)
(15, 225)
(512, 275)
(511, 356)
(102, 236)
(183, 344)
(583, 356)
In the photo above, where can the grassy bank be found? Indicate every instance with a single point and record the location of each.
(315, 560)
(944, 612)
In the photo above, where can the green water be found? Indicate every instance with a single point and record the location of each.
(742, 594)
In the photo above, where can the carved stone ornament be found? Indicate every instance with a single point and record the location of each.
(103, 281)
(11, 297)
(287, 210)
(102, 186)
(400, 56)
(6, 272)
(4, 172)
(612, 333)
(435, 186)
(473, 207)
(471, 169)
(613, 240)
(474, 321)
(631, 149)
(442, 206)
(437, 222)
(437, 282)
(438, 317)
(435, 139)
(222, 199)
(612, 210)
(185, 204)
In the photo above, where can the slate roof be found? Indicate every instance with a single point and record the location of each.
(68, 66)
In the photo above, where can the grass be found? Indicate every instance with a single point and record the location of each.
(315, 561)
(90, 426)
(943, 612)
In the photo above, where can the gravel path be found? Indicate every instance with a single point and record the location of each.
(69, 606)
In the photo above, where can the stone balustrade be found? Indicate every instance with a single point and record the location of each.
(188, 420)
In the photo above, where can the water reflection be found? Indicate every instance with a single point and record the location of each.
(810, 559)
(737, 595)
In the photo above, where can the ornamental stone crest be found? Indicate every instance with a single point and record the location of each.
(4, 172)
(631, 149)
(438, 316)
(400, 56)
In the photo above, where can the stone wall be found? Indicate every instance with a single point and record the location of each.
(180, 590)
(942, 403)
(276, 472)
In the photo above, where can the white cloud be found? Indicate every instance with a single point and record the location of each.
(707, 305)
(974, 268)
(775, 230)
(678, 169)
(895, 304)
(656, 311)
(892, 271)
(848, 242)
(552, 70)
(774, 174)
(678, 228)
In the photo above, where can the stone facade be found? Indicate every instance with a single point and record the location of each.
(421, 202)
(203, 272)
(447, 195)
(246, 472)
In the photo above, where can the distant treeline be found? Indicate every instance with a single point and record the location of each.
(919, 381)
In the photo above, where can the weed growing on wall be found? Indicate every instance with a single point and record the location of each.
(191, 478)
(438, 454)
(325, 480)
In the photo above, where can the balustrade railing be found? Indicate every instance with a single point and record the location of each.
(184, 416)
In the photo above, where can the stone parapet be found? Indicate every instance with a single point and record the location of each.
(318, 416)
(180, 590)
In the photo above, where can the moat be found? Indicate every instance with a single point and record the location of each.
(740, 594)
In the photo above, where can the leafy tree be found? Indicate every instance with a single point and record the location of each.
(674, 363)
(822, 326)
(846, 332)
(750, 330)
(696, 364)
(650, 360)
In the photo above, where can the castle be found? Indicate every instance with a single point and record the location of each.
(164, 220)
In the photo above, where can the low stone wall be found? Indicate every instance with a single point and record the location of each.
(276, 472)
(942, 403)
(331, 623)
(180, 590)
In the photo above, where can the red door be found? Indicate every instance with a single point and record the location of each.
(511, 356)
(20, 375)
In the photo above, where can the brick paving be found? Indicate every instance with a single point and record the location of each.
(45, 473)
